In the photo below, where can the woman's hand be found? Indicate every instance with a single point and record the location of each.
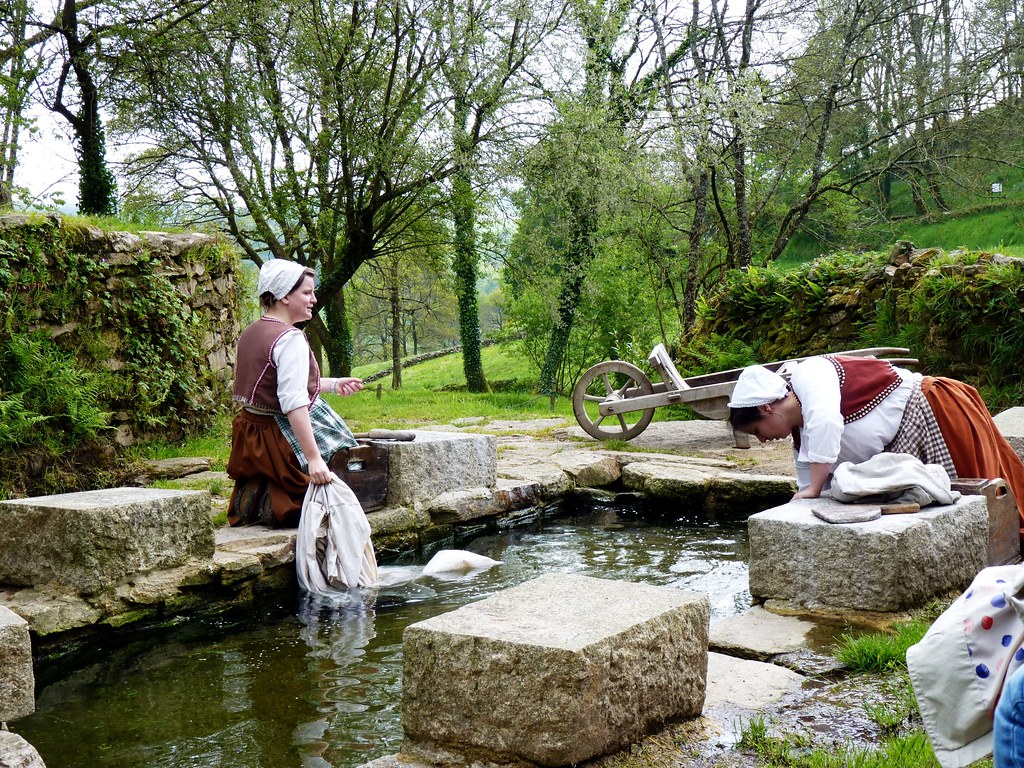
(806, 493)
(319, 474)
(347, 386)
(820, 474)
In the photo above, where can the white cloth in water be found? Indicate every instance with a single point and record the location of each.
(333, 550)
(457, 561)
(961, 665)
(894, 477)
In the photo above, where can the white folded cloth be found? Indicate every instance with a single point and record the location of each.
(333, 550)
(892, 477)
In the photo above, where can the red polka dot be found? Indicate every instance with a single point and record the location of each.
(986, 622)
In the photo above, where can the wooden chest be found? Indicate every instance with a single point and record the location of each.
(1003, 518)
(364, 468)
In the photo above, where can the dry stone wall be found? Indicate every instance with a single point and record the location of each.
(156, 313)
(960, 313)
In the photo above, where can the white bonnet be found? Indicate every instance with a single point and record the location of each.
(279, 276)
(757, 386)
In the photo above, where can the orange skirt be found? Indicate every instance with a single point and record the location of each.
(260, 454)
(976, 445)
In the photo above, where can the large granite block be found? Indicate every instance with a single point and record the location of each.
(91, 540)
(557, 670)
(438, 462)
(15, 752)
(889, 564)
(1011, 424)
(17, 681)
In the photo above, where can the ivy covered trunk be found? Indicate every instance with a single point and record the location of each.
(96, 186)
(338, 344)
(580, 254)
(463, 215)
(465, 259)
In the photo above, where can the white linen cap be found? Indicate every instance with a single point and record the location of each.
(279, 276)
(757, 386)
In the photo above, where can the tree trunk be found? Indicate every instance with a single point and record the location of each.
(13, 95)
(396, 330)
(465, 259)
(338, 342)
(580, 254)
(916, 194)
(700, 207)
(568, 301)
(744, 246)
(886, 194)
(96, 187)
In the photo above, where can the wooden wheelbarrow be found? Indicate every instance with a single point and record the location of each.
(615, 400)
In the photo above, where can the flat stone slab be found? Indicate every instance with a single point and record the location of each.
(169, 469)
(847, 513)
(759, 634)
(741, 689)
(436, 463)
(890, 564)
(554, 671)
(587, 469)
(746, 683)
(550, 480)
(673, 435)
(17, 681)
(91, 540)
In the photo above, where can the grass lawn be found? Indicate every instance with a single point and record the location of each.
(432, 392)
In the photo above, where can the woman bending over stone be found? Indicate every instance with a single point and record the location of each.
(285, 433)
(839, 408)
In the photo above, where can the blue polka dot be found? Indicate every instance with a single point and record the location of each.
(968, 594)
(999, 601)
(1000, 581)
(1019, 655)
(982, 671)
(1007, 639)
(970, 651)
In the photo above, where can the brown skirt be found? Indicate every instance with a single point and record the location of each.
(976, 445)
(261, 463)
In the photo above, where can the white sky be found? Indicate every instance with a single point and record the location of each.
(46, 161)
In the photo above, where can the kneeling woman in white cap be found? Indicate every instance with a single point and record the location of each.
(839, 408)
(286, 433)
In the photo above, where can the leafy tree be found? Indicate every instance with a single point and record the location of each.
(405, 297)
(308, 131)
(16, 75)
(490, 42)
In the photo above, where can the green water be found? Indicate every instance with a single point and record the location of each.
(297, 685)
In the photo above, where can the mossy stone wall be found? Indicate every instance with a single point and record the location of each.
(156, 315)
(960, 313)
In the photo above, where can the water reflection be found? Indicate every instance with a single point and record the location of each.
(318, 685)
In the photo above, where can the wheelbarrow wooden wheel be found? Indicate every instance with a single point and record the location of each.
(611, 380)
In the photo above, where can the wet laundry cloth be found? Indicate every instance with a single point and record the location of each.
(333, 550)
(961, 666)
(892, 477)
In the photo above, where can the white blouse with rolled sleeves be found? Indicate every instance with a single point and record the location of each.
(824, 439)
(291, 356)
